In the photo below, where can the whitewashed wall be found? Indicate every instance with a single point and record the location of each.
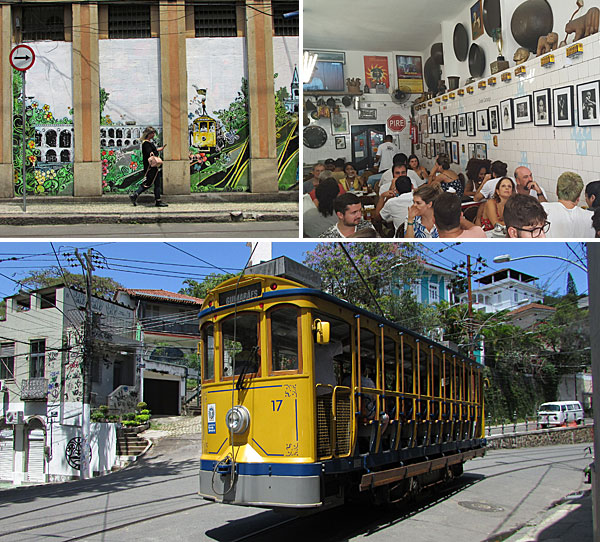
(546, 150)
(285, 59)
(130, 73)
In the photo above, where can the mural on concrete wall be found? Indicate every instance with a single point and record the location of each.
(129, 101)
(218, 117)
(48, 122)
(73, 364)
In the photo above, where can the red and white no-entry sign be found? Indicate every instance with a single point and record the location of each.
(22, 57)
(396, 123)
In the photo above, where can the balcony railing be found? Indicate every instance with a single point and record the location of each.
(34, 389)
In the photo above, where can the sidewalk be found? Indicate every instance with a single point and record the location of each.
(110, 209)
(173, 426)
(569, 520)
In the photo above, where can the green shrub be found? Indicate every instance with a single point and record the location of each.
(103, 409)
(142, 418)
(130, 423)
(145, 412)
(128, 416)
(141, 406)
(98, 416)
(113, 418)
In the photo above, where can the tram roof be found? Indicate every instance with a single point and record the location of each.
(303, 291)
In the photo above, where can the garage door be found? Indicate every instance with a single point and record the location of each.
(162, 396)
(7, 454)
(35, 456)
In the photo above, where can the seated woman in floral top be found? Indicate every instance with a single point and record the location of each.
(448, 180)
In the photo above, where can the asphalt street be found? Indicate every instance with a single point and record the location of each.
(156, 500)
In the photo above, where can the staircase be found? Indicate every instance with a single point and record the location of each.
(130, 444)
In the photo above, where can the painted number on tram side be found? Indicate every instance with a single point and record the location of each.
(276, 404)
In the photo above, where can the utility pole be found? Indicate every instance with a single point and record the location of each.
(470, 299)
(88, 267)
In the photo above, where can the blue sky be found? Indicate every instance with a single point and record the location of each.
(167, 267)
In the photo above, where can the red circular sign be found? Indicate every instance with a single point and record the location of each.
(21, 57)
(396, 123)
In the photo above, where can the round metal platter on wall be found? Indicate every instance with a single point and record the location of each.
(461, 42)
(531, 20)
(437, 53)
(491, 16)
(476, 61)
(433, 74)
(314, 137)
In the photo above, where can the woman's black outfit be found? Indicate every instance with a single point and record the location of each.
(153, 175)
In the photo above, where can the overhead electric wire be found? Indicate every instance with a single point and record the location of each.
(198, 258)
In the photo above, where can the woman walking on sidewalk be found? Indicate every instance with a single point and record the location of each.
(153, 174)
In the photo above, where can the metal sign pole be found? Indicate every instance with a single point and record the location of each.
(24, 149)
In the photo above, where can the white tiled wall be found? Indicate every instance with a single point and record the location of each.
(546, 150)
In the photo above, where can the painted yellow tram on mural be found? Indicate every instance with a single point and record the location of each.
(309, 401)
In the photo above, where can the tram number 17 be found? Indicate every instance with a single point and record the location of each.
(276, 404)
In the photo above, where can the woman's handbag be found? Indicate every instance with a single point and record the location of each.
(154, 161)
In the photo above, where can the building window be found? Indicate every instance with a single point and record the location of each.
(283, 26)
(7, 361)
(434, 293)
(43, 23)
(48, 301)
(516, 295)
(130, 21)
(37, 358)
(215, 20)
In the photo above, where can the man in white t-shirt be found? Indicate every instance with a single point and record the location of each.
(387, 179)
(393, 205)
(527, 186)
(385, 154)
(566, 218)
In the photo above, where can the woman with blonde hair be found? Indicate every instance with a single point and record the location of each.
(153, 174)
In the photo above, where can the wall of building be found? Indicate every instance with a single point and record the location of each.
(546, 150)
(382, 103)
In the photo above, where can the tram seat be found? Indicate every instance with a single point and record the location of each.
(406, 434)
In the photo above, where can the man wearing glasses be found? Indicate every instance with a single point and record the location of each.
(525, 217)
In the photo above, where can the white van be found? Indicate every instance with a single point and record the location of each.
(560, 413)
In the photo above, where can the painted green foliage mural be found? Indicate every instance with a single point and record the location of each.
(49, 146)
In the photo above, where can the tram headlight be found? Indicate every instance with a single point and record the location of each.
(237, 419)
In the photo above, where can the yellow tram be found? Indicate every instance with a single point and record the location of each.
(308, 400)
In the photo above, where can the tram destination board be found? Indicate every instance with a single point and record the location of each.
(241, 294)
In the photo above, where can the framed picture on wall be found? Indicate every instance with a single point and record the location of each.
(367, 114)
(562, 105)
(340, 142)
(542, 108)
(506, 114)
(476, 20)
(483, 121)
(431, 148)
(471, 150)
(433, 119)
(454, 125)
(462, 122)
(440, 123)
(481, 151)
(587, 100)
(446, 126)
(340, 123)
(494, 115)
(471, 124)
(522, 109)
(455, 155)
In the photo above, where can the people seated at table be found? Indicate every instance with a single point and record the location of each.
(338, 172)
(592, 195)
(393, 204)
(348, 210)
(566, 218)
(449, 220)
(448, 180)
(326, 174)
(312, 182)
(317, 219)
(415, 165)
(385, 153)
(351, 179)
(476, 171)
(387, 179)
(525, 217)
(493, 210)
(420, 223)
(527, 186)
(329, 164)
(486, 189)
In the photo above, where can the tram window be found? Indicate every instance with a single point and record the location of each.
(208, 352)
(339, 341)
(424, 368)
(436, 392)
(284, 339)
(240, 345)
(368, 355)
(408, 368)
(389, 360)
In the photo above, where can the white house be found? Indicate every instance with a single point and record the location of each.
(41, 355)
(506, 289)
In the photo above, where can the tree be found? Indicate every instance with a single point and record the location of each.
(101, 286)
(200, 289)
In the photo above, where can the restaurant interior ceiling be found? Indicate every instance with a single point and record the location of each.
(376, 25)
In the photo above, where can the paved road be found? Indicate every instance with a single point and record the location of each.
(282, 228)
(520, 427)
(156, 500)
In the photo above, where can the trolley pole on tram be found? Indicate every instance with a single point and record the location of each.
(594, 316)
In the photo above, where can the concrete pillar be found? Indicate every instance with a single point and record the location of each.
(87, 170)
(20, 461)
(261, 97)
(176, 168)
(7, 182)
